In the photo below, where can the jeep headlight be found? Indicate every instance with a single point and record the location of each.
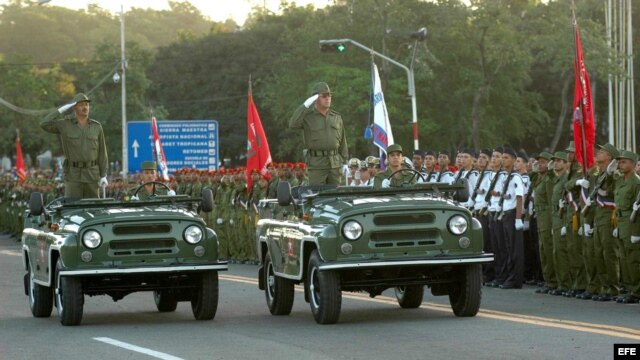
(458, 225)
(352, 230)
(91, 239)
(193, 234)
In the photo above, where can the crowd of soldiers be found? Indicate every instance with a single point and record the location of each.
(547, 223)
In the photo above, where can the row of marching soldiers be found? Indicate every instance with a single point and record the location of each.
(235, 213)
(547, 222)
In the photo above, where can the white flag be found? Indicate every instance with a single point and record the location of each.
(382, 135)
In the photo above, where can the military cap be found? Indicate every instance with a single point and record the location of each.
(509, 151)
(371, 160)
(499, 149)
(394, 147)
(626, 154)
(430, 153)
(544, 155)
(80, 97)
(444, 152)
(320, 88)
(560, 155)
(465, 151)
(486, 151)
(418, 152)
(149, 165)
(610, 149)
(571, 147)
(354, 162)
(364, 165)
(523, 155)
(302, 166)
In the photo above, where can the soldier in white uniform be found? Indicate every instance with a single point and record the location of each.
(365, 175)
(444, 175)
(479, 203)
(495, 224)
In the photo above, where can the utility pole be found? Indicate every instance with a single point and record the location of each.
(123, 61)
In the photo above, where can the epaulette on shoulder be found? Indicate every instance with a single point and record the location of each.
(333, 112)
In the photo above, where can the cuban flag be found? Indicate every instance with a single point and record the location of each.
(158, 151)
(382, 135)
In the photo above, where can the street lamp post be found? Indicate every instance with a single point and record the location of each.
(410, 79)
(123, 63)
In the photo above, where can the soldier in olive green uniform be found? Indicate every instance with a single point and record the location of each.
(627, 188)
(325, 141)
(542, 188)
(598, 226)
(221, 228)
(574, 242)
(558, 223)
(149, 174)
(83, 144)
(396, 160)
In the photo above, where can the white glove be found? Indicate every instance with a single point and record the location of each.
(635, 207)
(103, 182)
(386, 183)
(550, 165)
(588, 231)
(134, 197)
(613, 165)
(219, 221)
(583, 182)
(587, 202)
(635, 239)
(62, 109)
(563, 231)
(233, 202)
(171, 193)
(519, 224)
(310, 100)
(526, 225)
(615, 233)
(560, 203)
(231, 221)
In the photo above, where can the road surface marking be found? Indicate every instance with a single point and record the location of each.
(10, 252)
(594, 328)
(124, 345)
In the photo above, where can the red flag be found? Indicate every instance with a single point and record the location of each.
(258, 154)
(161, 160)
(583, 119)
(19, 161)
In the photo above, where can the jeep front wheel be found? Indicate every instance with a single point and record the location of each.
(204, 302)
(324, 291)
(409, 297)
(69, 298)
(465, 294)
(165, 300)
(278, 291)
(40, 297)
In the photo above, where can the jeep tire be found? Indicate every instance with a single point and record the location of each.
(40, 297)
(278, 291)
(204, 302)
(409, 297)
(325, 296)
(165, 300)
(465, 294)
(69, 298)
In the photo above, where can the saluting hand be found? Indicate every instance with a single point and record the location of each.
(311, 100)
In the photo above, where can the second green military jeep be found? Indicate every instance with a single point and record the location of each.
(336, 239)
(74, 247)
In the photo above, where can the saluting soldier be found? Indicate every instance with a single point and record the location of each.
(626, 191)
(84, 148)
(396, 160)
(325, 140)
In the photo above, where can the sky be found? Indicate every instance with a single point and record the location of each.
(216, 10)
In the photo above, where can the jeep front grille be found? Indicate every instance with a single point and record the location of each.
(137, 229)
(142, 247)
(404, 219)
(383, 239)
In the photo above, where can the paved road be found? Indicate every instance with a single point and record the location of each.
(512, 324)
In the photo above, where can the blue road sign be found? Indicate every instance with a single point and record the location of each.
(186, 143)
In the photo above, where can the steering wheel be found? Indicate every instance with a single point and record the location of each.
(153, 191)
(415, 172)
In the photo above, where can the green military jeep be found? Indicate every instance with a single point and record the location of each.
(73, 247)
(336, 239)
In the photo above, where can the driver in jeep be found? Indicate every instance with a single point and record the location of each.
(396, 174)
(148, 183)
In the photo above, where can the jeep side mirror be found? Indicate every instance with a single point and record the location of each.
(36, 204)
(207, 200)
(284, 193)
(462, 195)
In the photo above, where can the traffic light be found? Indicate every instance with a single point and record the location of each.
(331, 46)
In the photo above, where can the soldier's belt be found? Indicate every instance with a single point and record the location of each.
(83, 164)
(323, 152)
(623, 213)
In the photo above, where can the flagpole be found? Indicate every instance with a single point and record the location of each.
(583, 147)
